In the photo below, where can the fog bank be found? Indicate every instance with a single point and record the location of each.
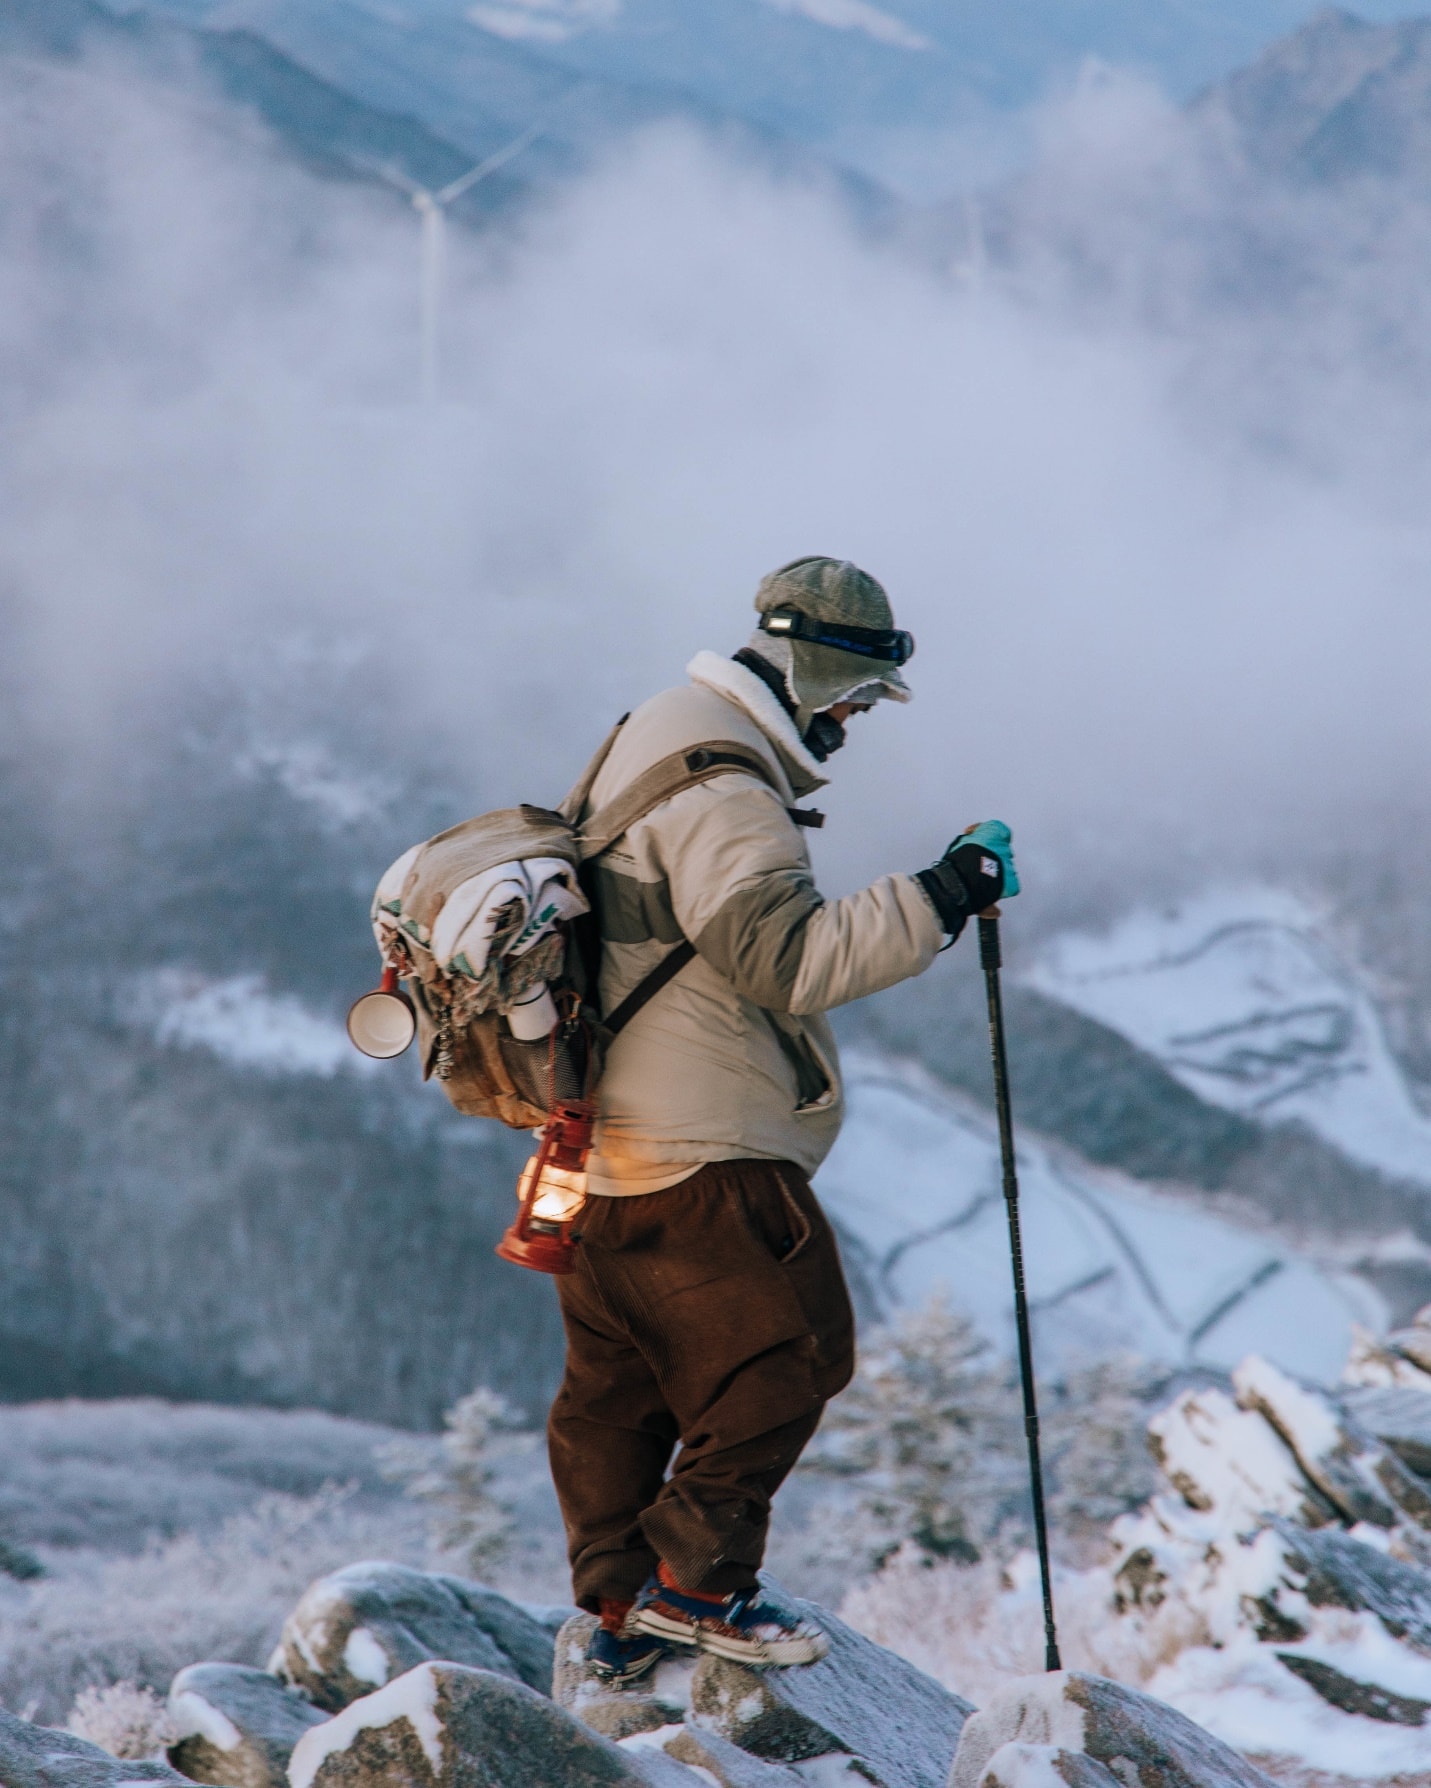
(1142, 626)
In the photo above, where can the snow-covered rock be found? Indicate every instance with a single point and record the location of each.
(1044, 1766)
(1112, 1265)
(1331, 1569)
(1399, 1416)
(41, 1757)
(1230, 1462)
(1243, 996)
(657, 1703)
(448, 1726)
(1136, 1738)
(1291, 1619)
(1401, 1361)
(731, 1767)
(236, 1726)
(1362, 1479)
(841, 1704)
(838, 1707)
(362, 1626)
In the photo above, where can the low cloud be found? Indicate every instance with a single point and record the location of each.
(1143, 625)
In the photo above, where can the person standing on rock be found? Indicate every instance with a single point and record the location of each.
(707, 1317)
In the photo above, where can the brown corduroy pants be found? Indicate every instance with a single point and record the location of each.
(713, 1316)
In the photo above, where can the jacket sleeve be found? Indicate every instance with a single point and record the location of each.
(742, 892)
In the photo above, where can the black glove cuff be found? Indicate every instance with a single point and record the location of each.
(947, 896)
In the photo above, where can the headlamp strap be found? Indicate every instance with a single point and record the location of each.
(892, 645)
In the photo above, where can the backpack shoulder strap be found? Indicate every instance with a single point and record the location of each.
(574, 804)
(669, 776)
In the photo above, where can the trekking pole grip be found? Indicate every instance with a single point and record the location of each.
(989, 953)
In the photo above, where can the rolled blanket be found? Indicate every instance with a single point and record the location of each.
(506, 911)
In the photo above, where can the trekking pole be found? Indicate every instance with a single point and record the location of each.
(989, 959)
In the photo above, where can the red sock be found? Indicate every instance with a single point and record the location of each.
(664, 1575)
(613, 1614)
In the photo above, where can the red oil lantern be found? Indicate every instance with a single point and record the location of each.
(552, 1192)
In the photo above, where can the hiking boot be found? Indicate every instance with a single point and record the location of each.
(624, 1658)
(740, 1626)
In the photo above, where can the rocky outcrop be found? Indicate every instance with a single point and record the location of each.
(41, 1757)
(1135, 1739)
(447, 1726)
(842, 1703)
(236, 1726)
(840, 1706)
(361, 1627)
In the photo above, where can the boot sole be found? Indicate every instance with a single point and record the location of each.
(782, 1653)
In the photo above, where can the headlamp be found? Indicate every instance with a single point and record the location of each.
(891, 645)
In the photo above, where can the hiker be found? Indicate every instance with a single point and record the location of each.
(706, 1314)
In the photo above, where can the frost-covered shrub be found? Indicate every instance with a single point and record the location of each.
(919, 1438)
(974, 1627)
(97, 1620)
(1095, 1437)
(927, 1448)
(124, 1719)
(455, 1477)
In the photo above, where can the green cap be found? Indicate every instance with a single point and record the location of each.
(817, 676)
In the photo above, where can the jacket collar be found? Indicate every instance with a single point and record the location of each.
(747, 692)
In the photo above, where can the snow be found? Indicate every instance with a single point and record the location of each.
(1373, 1366)
(1243, 996)
(1228, 1460)
(237, 1019)
(412, 1697)
(363, 1658)
(193, 1715)
(542, 21)
(834, 1770)
(657, 1741)
(671, 1683)
(1242, 1695)
(1361, 1648)
(856, 15)
(1031, 1766)
(1112, 1266)
(1306, 1419)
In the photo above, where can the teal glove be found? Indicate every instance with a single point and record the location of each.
(996, 838)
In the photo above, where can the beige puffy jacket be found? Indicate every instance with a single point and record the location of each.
(734, 1057)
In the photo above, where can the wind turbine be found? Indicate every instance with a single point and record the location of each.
(431, 207)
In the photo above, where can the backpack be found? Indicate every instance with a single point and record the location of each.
(464, 1040)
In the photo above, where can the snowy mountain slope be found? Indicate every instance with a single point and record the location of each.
(472, 87)
(1243, 997)
(1008, 54)
(851, 77)
(327, 129)
(1339, 98)
(914, 1184)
